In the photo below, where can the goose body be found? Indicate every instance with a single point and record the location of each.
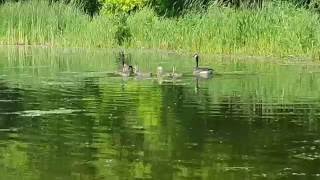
(125, 67)
(173, 74)
(202, 71)
(127, 70)
(167, 78)
(140, 74)
(161, 73)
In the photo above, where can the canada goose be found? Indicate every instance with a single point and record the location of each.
(125, 67)
(159, 70)
(201, 71)
(127, 72)
(161, 73)
(168, 78)
(174, 74)
(138, 73)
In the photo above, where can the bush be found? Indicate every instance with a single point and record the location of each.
(121, 6)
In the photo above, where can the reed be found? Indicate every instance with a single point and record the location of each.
(278, 29)
(57, 24)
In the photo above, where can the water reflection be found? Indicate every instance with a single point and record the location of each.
(75, 120)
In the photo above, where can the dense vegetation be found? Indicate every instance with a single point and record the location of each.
(224, 27)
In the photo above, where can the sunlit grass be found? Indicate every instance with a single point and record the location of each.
(276, 30)
(57, 24)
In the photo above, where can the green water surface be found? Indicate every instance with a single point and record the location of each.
(65, 115)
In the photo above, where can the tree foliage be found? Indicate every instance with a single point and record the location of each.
(120, 6)
(89, 6)
(169, 7)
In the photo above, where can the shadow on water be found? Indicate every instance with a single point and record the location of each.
(63, 116)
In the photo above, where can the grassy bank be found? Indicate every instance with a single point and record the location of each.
(277, 29)
(38, 23)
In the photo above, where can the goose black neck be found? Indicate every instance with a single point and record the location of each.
(197, 61)
(122, 58)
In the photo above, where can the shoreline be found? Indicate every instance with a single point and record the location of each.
(239, 57)
(267, 33)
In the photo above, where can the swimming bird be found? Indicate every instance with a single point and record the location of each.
(201, 71)
(125, 67)
(171, 78)
(161, 73)
(140, 74)
(174, 74)
(126, 72)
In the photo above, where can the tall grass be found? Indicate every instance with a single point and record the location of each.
(277, 29)
(37, 22)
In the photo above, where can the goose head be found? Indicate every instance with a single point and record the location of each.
(131, 69)
(196, 57)
(159, 70)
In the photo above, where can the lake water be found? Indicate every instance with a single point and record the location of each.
(65, 115)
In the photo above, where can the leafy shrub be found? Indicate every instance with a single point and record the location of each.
(121, 6)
